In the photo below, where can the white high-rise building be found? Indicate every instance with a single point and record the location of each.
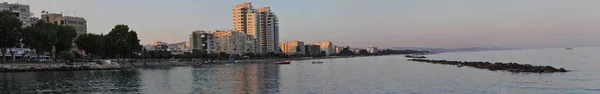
(21, 11)
(245, 19)
(269, 29)
(261, 23)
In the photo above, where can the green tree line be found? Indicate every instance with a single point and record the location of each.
(55, 38)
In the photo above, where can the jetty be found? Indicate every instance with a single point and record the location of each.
(511, 67)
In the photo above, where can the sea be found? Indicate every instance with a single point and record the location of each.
(391, 74)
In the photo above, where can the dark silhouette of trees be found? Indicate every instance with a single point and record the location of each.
(10, 28)
(121, 42)
(93, 44)
(346, 52)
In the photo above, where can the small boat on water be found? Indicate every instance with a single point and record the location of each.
(570, 48)
(317, 62)
(415, 56)
(282, 62)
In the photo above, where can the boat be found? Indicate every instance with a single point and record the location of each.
(415, 56)
(282, 62)
(570, 48)
(317, 62)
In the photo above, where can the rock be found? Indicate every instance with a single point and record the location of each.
(511, 67)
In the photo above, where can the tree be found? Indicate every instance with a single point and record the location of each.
(66, 55)
(121, 42)
(346, 52)
(64, 36)
(363, 52)
(10, 27)
(41, 37)
(91, 43)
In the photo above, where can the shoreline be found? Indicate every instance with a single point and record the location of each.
(27, 67)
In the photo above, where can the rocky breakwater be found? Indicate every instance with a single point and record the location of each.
(60, 67)
(511, 67)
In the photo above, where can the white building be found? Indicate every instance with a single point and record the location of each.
(326, 46)
(372, 49)
(21, 11)
(233, 42)
(202, 41)
(269, 29)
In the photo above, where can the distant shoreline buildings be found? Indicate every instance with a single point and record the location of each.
(24, 14)
(254, 31)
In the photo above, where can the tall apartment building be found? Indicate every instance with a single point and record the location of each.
(78, 23)
(233, 42)
(326, 46)
(292, 47)
(202, 41)
(269, 29)
(21, 11)
(245, 19)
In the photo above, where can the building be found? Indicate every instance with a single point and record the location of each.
(372, 49)
(202, 41)
(245, 19)
(175, 48)
(158, 46)
(355, 50)
(21, 11)
(269, 29)
(78, 23)
(233, 42)
(179, 48)
(292, 47)
(337, 49)
(326, 46)
(311, 49)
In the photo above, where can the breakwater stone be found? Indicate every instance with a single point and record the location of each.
(61, 67)
(511, 67)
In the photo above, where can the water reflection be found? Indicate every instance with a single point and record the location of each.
(70, 82)
(236, 78)
(212, 78)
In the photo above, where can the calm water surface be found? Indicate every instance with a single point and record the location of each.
(362, 75)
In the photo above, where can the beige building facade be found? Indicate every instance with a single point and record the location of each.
(245, 19)
(233, 42)
(326, 46)
(292, 47)
(78, 23)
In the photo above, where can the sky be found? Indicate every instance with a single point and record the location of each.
(357, 23)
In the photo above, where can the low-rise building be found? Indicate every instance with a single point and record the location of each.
(78, 23)
(232, 42)
(312, 49)
(292, 47)
(326, 46)
(372, 49)
(337, 49)
(202, 41)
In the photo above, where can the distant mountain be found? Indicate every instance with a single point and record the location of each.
(445, 50)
